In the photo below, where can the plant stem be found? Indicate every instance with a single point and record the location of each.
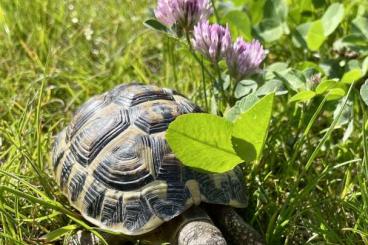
(328, 133)
(195, 56)
(306, 131)
(215, 11)
(222, 91)
(204, 69)
(173, 60)
(204, 86)
(364, 141)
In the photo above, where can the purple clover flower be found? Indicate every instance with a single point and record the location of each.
(213, 41)
(184, 14)
(244, 58)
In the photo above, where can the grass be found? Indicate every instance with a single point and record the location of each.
(310, 187)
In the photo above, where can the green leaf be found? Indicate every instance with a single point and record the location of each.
(245, 87)
(365, 66)
(302, 96)
(156, 25)
(300, 36)
(352, 64)
(240, 107)
(332, 18)
(203, 141)
(364, 92)
(238, 2)
(335, 94)
(349, 131)
(269, 30)
(276, 9)
(251, 128)
(352, 76)
(280, 67)
(239, 21)
(346, 114)
(213, 105)
(59, 233)
(355, 42)
(294, 80)
(308, 65)
(315, 36)
(331, 68)
(360, 25)
(272, 86)
(255, 7)
(325, 85)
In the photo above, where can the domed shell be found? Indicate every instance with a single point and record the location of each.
(115, 166)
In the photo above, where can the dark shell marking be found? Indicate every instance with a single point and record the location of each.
(114, 164)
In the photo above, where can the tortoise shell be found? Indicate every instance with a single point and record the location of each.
(115, 166)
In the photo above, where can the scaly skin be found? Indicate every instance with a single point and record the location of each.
(200, 232)
(196, 227)
(234, 228)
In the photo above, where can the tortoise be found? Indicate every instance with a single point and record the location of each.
(115, 167)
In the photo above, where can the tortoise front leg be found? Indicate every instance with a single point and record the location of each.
(235, 229)
(195, 227)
